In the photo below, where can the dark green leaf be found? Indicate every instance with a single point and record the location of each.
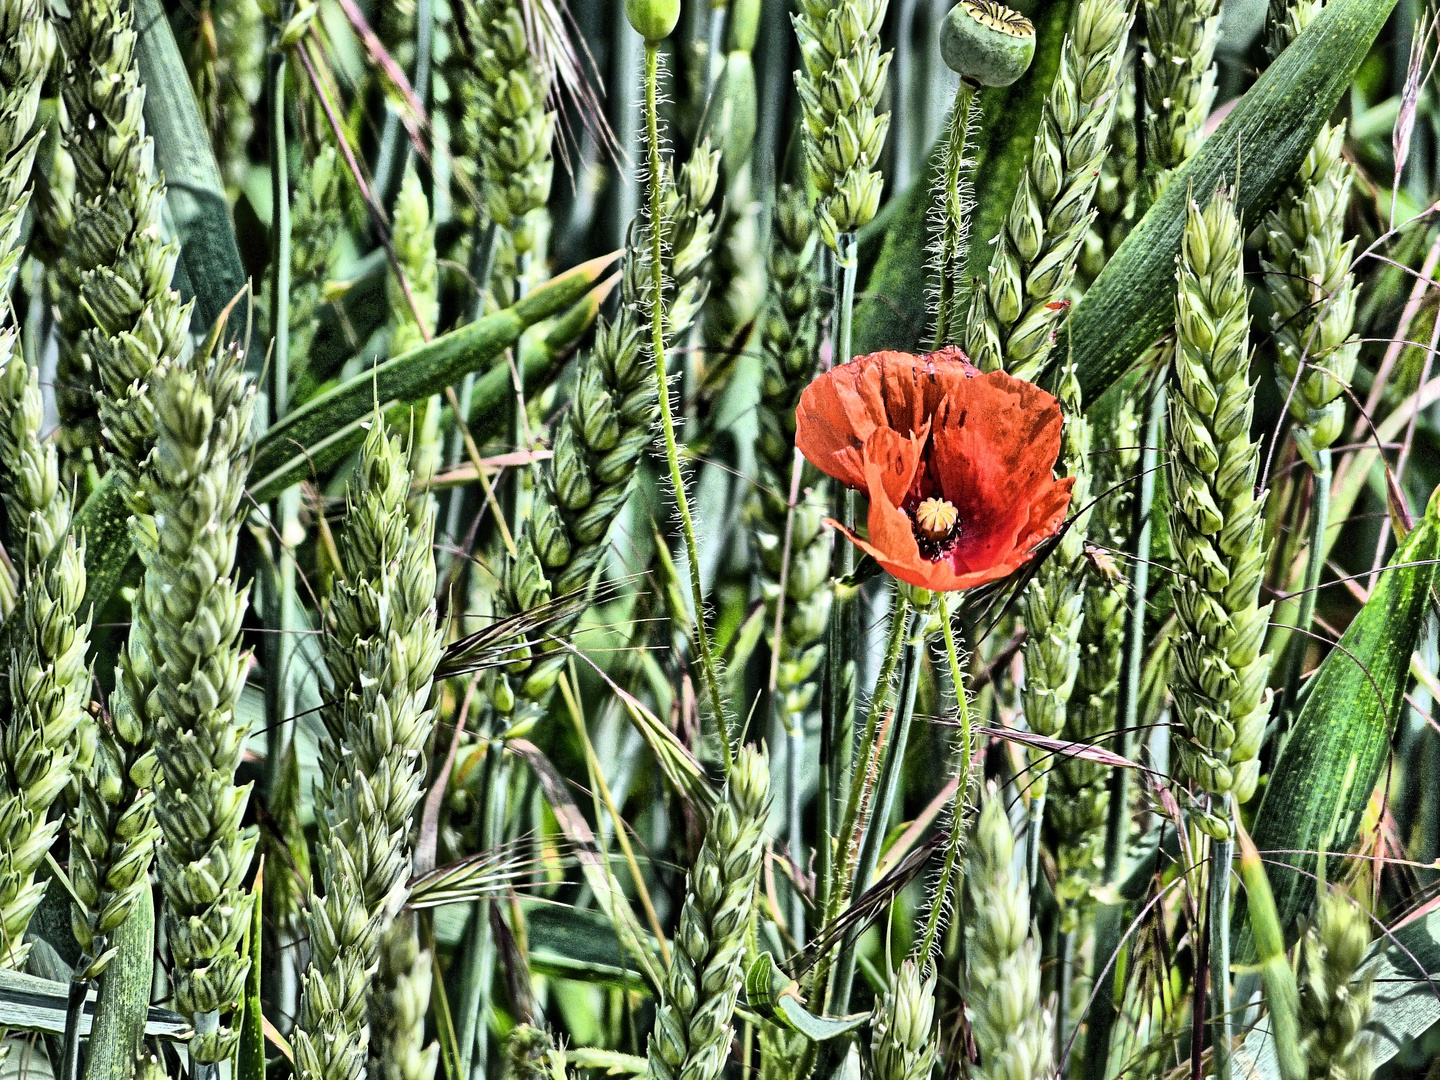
(1256, 150)
(1333, 757)
(196, 209)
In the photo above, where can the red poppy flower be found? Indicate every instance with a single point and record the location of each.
(958, 465)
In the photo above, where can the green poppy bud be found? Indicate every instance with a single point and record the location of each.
(653, 20)
(986, 42)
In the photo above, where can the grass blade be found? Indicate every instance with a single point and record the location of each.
(1256, 150)
(196, 207)
(1328, 767)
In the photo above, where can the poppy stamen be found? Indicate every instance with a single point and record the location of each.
(935, 520)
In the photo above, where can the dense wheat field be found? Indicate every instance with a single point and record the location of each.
(822, 539)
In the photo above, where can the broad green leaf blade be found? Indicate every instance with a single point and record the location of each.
(772, 994)
(328, 426)
(1255, 150)
(1333, 757)
(196, 209)
(250, 1064)
(893, 313)
(120, 1013)
(580, 943)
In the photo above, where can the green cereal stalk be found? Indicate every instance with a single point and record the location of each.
(195, 486)
(43, 704)
(531, 1053)
(1335, 994)
(840, 81)
(902, 1044)
(1053, 602)
(1079, 799)
(27, 43)
(399, 1005)
(119, 318)
(37, 511)
(36, 516)
(381, 647)
(1307, 261)
(505, 131)
(599, 440)
(1012, 1029)
(415, 308)
(1015, 309)
(1216, 520)
(692, 1026)
(229, 82)
(788, 335)
(1119, 179)
(1179, 80)
(316, 219)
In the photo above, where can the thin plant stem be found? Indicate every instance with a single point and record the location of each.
(1127, 699)
(1220, 857)
(950, 202)
(1314, 565)
(952, 870)
(667, 420)
(867, 750)
(832, 891)
(285, 512)
(482, 264)
(479, 969)
(886, 790)
(794, 829)
(837, 705)
(597, 777)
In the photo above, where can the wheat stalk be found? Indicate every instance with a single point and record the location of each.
(398, 1006)
(43, 705)
(1013, 310)
(1179, 80)
(119, 318)
(195, 485)
(381, 646)
(1012, 1029)
(600, 438)
(1335, 994)
(692, 1026)
(1216, 520)
(840, 81)
(902, 1042)
(788, 334)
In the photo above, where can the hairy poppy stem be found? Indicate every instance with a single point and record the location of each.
(843, 639)
(951, 219)
(952, 871)
(832, 886)
(883, 803)
(662, 386)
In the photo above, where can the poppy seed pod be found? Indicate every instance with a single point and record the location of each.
(986, 42)
(653, 20)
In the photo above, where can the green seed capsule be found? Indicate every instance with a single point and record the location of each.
(653, 20)
(986, 42)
